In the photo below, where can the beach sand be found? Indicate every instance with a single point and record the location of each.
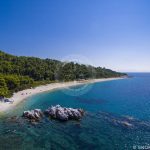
(22, 95)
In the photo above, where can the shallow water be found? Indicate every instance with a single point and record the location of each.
(107, 105)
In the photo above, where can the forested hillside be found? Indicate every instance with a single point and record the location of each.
(17, 73)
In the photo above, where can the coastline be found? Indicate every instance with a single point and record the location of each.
(24, 94)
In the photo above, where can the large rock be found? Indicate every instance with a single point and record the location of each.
(63, 113)
(51, 112)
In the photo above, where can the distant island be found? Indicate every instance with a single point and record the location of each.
(19, 72)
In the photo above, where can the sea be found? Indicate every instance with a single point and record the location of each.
(117, 117)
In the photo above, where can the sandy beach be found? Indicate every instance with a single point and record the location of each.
(22, 95)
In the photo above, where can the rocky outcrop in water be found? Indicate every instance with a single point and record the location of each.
(34, 115)
(63, 113)
(55, 112)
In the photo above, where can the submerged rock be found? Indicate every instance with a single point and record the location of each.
(127, 122)
(63, 113)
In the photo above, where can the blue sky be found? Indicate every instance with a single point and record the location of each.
(110, 33)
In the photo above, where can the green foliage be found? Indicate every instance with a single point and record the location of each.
(13, 83)
(17, 73)
(3, 87)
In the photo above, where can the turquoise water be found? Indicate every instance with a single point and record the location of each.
(104, 103)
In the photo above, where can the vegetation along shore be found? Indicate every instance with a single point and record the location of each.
(19, 73)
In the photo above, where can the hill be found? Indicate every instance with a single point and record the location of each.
(20, 72)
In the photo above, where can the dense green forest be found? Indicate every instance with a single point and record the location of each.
(19, 72)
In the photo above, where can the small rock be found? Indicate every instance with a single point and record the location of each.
(35, 114)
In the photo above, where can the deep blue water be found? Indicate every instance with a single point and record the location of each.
(104, 103)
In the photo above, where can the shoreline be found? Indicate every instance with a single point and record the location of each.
(24, 94)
